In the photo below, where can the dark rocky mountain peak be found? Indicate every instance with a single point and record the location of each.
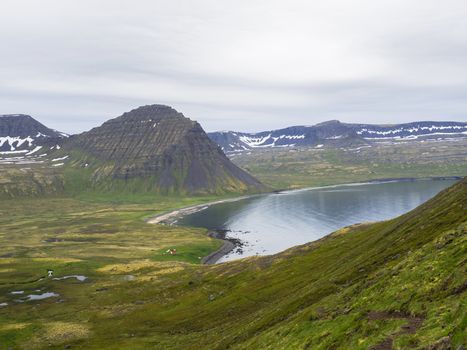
(333, 122)
(157, 148)
(149, 113)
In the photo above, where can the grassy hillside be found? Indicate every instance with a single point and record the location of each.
(69, 181)
(29, 180)
(307, 167)
(399, 282)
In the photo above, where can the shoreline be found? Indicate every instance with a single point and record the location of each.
(370, 182)
(229, 245)
(170, 218)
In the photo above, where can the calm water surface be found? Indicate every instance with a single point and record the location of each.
(274, 222)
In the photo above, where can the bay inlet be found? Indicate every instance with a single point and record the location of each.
(271, 223)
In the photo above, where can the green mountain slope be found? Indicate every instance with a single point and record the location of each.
(398, 284)
(351, 290)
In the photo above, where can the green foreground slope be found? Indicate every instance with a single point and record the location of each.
(400, 283)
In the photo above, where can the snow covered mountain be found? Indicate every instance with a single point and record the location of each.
(337, 134)
(22, 135)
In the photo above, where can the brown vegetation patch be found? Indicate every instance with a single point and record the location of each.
(59, 332)
(410, 328)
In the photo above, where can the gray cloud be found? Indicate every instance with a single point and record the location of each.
(244, 65)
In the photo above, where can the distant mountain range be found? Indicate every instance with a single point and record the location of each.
(337, 134)
(157, 149)
(151, 149)
(21, 134)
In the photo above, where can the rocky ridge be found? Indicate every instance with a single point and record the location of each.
(336, 134)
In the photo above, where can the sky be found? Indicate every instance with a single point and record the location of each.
(245, 65)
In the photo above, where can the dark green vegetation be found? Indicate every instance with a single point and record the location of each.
(351, 290)
(307, 167)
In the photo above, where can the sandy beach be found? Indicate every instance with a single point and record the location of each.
(171, 217)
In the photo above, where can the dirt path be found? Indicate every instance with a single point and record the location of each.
(413, 323)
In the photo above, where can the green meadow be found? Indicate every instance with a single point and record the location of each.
(401, 281)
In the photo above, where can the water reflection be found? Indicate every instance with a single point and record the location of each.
(274, 222)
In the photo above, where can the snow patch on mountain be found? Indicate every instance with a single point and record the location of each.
(413, 130)
(23, 139)
(15, 142)
(59, 159)
(38, 148)
(336, 134)
(14, 152)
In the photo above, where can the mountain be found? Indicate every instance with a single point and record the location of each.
(155, 148)
(337, 134)
(22, 135)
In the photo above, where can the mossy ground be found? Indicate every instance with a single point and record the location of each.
(316, 296)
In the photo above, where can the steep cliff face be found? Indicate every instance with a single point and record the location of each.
(156, 148)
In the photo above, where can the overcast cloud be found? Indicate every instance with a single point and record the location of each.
(239, 65)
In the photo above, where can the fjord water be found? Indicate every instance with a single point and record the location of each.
(272, 223)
